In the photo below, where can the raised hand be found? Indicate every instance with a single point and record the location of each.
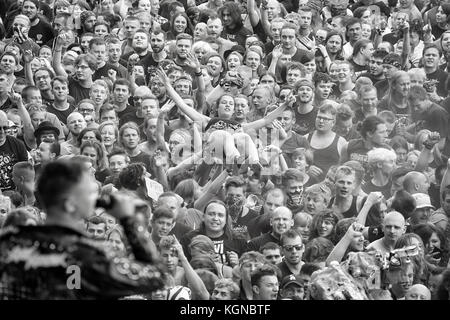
(192, 61)
(314, 171)
(15, 98)
(277, 52)
(28, 56)
(112, 74)
(167, 106)
(374, 198)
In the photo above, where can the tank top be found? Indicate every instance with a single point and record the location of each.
(351, 212)
(326, 157)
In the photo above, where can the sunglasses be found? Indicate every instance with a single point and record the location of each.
(291, 248)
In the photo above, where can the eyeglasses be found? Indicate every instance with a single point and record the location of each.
(4, 128)
(319, 118)
(297, 247)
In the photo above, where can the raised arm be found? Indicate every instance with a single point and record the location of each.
(253, 13)
(57, 56)
(28, 129)
(190, 112)
(195, 282)
(338, 252)
(28, 57)
(271, 117)
(211, 191)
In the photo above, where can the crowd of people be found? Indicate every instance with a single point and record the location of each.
(225, 150)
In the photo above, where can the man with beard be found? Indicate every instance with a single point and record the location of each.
(157, 42)
(305, 114)
(281, 221)
(183, 58)
(215, 29)
(368, 102)
(75, 124)
(323, 86)
(240, 215)
(41, 32)
(327, 146)
(375, 66)
(97, 47)
(293, 181)
(292, 250)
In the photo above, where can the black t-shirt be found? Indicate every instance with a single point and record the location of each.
(442, 86)
(77, 91)
(143, 158)
(236, 35)
(61, 114)
(103, 71)
(369, 187)
(305, 123)
(41, 33)
(11, 152)
(382, 88)
(240, 227)
(289, 146)
(129, 109)
(7, 105)
(374, 79)
(435, 118)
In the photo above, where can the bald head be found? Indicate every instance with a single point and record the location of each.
(418, 292)
(3, 123)
(393, 226)
(416, 182)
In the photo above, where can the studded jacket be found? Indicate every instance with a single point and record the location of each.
(55, 262)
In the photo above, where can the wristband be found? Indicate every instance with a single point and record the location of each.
(198, 74)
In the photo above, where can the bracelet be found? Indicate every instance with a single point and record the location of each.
(198, 74)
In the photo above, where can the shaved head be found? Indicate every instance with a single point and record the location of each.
(418, 292)
(416, 182)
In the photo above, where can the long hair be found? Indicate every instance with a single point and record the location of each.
(102, 161)
(317, 223)
(335, 33)
(189, 28)
(235, 14)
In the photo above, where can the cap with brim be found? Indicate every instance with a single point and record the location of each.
(237, 48)
(292, 279)
(46, 126)
(423, 201)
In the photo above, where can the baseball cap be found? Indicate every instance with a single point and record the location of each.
(422, 201)
(292, 279)
(237, 48)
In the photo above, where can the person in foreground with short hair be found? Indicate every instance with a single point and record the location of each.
(68, 192)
